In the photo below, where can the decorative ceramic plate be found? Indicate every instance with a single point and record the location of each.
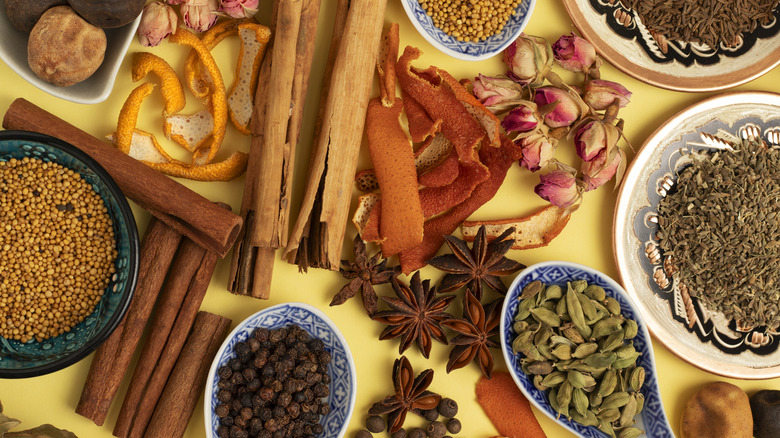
(469, 50)
(706, 339)
(343, 387)
(621, 38)
(652, 419)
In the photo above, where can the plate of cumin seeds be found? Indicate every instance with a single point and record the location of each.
(683, 45)
(696, 234)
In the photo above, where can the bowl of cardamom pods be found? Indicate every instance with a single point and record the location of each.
(577, 348)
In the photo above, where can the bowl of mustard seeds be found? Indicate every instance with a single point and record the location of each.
(68, 254)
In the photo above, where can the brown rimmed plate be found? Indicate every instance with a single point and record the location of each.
(706, 339)
(623, 41)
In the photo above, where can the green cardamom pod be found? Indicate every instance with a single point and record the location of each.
(538, 384)
(552, 396)
(630, 432)
(626, 350)
(606, 427)
(595, 292)
(608, 383)
(541, 367)
(612, 305)
(533, 354)
(579, 285)
(560, 309)
(631, 328)
(546, 351)
(606, 326)
(553, 292)
(585, 368)
(574, 308)
(576, 379)
(637, 379)
(627, 413)
(564, 393)
(613, 341)
(523, 341)
(600, 360)
(563, 365)
(531, 289)
(562, 352)
(546, 316)
(587, 306)
(640, 401)
(626, 361)
(524, 309)
(590, 382)
(595, 399)
(520, 326)
(609, 415)
(543, 334)
(556, 340)
(615, 400)
(588, 419)
(584, 350)
(572, 334)
(553, 379)
(580, 401)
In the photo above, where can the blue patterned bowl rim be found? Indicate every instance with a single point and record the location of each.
(469, 51)
(133, 256)
(317, 324)
(652, 419)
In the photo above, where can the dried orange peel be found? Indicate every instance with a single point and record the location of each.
(190, 131)
(145, 147)
(254, 41)
(197, 81)
(170, 85)
(128, 116)
(226, 170)
(532, 231)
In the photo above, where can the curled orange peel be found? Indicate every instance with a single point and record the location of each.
(128, 116)
(145, 147)
(533, 231)
(226, 170)
(197, 81)
(170, 85)
(254, 42)
(190, 131)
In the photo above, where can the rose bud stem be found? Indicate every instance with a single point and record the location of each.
(558, 133)
(610, 114)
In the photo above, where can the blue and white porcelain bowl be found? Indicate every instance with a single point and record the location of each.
(469, 51)
(35, 358)
(652, 419)
(343, 386)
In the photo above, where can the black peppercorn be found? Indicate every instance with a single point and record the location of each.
(237, 379)
(321, 390)
(224, 395)
(224, 372)
(222, 410)
(417, 433)
(271, 425)
(278, 412)
(283, 399)
(254, 385)
(299, 397)
(436, 429)
(261, 334)
(246, 400)
(453, 426)
(448, 407)
(317, 429)
(316, 345)
(324, 408)
(323, 357)
(363, 434)
(235, 364)
(223, 432)
(400, 433)
(236, 405)
(227, 421)
(253, 344)
(237, 432)
(276, 335)
(375, 424)
(265, 415)
(267, 370)
(293, 410)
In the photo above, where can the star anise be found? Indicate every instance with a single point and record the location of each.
(471, 266)
(477, 333)
(415, 315)
(410, 394)
(365, 273)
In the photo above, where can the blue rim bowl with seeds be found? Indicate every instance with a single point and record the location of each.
(341, 369)
(38, 357)
(469, 50)
(651, 418)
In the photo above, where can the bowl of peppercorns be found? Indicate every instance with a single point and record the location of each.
(285, 371)
(68, 254)
(469, 30)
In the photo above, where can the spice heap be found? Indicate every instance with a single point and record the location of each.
(275, 384)
(574, 345)
(710, 22)
(57, 246)
(719, 225)
(470, 20)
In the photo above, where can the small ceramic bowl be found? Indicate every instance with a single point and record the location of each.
(95, 89)
(35, 358)
(652, 418)
(341, 369)
(469, 51)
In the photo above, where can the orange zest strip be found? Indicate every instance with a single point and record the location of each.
(532, 231)
(506, 407)
(170, 85)
(254, 41)
(421, 127)
(436, 200)
(226, 170)
(144, 147)
(443, 174)
(388, 55)
(128, 116)
(194, 77)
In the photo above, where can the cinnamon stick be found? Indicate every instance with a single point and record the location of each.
(266, 202)
(176, 338)
(169, 201)
(188, 260)
(112, 358)
(318, 234)
(188, 378)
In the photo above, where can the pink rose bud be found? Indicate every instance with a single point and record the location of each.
(594, 137)
(495, 92)
(559, 187)
(529, 58)
(574, 53)
(600, 94)
(199, 15)
(565, 112)
(176, 2)
(602, 169)
(521, 119)
(239, 8)
(537, 149)
(158, 20)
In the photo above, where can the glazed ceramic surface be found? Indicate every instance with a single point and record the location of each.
(96, 88)
(652, 419)
(35, 358)
(621, 38)
(469, 51)
(341, 368)
(704, 338)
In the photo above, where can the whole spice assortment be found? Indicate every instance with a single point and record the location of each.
(717, 409)
(709, 22)
(508, 410)
(577, 346)
(274, 386)
(719, 227)
(58, 249)
(765, 406)
(467, 20)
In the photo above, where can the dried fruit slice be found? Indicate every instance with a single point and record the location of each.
(190, 131)
(144, 147)
(128, 116)
(532, 231)
(226, 170)
(254, 40)
(170, 85)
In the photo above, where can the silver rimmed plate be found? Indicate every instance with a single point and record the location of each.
(621, 38)
(706, 339)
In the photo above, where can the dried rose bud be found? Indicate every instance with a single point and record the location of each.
(158, 20)
(575, 54)
(566, 111)
(497, 93)
(538, 150)
(594, 137)
(559, 187)
(199, 15)
(239, 8)
(522, 118)
(176, 2)
(600, 170)
(529, 59)
(600, 94)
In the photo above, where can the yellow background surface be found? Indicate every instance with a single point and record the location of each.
(586, 239)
